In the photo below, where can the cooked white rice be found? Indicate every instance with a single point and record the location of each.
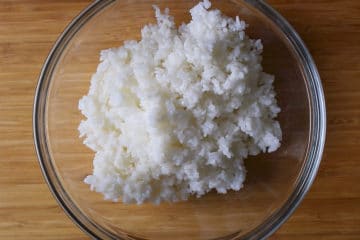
(175, 113)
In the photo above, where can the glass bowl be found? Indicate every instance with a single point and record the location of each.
(276, 182)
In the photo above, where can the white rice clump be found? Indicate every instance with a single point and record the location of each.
(176, 113)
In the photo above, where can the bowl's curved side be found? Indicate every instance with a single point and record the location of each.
(40, 122)
(317, 125)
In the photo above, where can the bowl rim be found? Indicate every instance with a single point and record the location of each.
(272, 222)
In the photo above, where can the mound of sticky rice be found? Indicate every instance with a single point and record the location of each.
(176, 113)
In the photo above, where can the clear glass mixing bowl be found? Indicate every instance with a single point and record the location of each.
(276, 183)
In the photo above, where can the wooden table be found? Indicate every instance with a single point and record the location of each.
(331, 30)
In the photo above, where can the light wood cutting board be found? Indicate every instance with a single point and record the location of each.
(331, 30)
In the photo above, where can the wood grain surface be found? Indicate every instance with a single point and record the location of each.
(331, 30)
